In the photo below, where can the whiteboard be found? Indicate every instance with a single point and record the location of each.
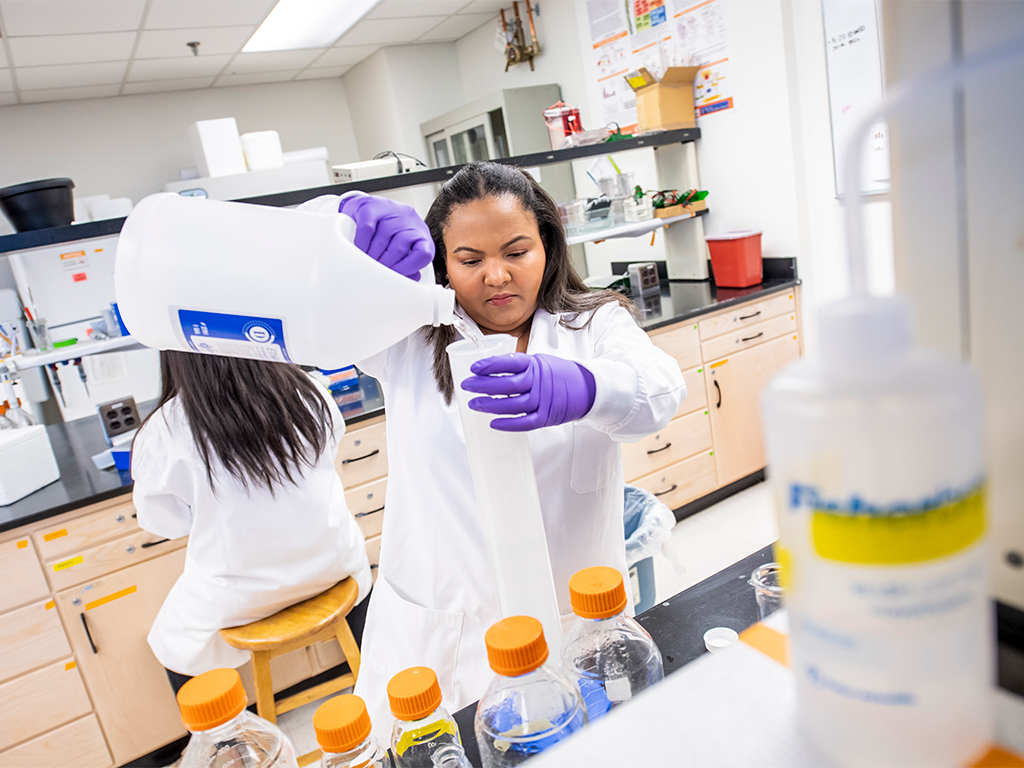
(853, 57)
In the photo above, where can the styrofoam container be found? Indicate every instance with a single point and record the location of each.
(26, 463)
(262, 150)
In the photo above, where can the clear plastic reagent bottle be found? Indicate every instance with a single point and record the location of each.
(607, 653)
(342, 727)
(224, 732)
(422, 724)
(529, 706)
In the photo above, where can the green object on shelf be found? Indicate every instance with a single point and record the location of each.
(64, 343)
(619, 136)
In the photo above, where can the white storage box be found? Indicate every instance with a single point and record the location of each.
(26, 463)
(262, 149)
(217, 147)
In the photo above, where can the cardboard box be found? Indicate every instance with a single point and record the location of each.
(679, 210)
(666, 104)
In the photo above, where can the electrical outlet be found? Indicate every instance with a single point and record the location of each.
(118, 417)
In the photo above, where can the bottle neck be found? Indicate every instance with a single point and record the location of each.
(363, 755)
(224, 730)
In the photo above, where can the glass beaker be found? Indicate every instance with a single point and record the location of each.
(767, 589)
(40, 334)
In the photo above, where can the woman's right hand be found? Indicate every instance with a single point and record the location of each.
(391, 233)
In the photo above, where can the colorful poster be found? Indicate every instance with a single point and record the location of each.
(699, 38)
(612, 51)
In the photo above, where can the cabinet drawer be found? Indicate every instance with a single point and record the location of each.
(30, 637)
(751, 336)
(114, 555)
(681, 341)
(696, 394)
(86, 531)
(748, 314)
(363, 455)
(367, 505)
(40, 701)
(373, 554)
(682, 482)
(79, 744)
(683, 437)
(21, 575)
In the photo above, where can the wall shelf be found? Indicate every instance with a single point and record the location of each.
(632, 229)
(26, 360)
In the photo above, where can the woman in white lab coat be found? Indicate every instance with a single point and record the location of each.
(500, 245)
(239, 457)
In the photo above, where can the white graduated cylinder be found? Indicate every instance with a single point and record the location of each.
(267, 283)
(509, 505)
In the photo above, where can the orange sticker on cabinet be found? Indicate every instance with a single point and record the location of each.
(22, 544)
(110, 598)
(70, 665)
(720, 362)
(50, 604)
(68, 563)
(55, 534)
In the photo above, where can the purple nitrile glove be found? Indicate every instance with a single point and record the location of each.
(546, 390)
(391, 233)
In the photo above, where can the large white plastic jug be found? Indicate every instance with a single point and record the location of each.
(267, 283)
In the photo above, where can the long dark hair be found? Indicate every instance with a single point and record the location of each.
(264, 421)
(561, 288)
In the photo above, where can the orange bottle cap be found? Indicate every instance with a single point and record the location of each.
(341, 723)
(516, 645)
(597, 593)
(414, 693)
(211, 699)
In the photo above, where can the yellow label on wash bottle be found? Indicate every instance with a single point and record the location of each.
(432, 732)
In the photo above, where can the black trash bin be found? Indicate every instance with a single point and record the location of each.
(39, 204)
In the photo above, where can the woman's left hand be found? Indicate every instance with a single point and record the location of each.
(539, 390)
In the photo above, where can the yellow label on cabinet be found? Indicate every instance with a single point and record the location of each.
(109, 598)
(55, 534)
(914, 536)
(22, 544)
(70, 665)
(68, 563)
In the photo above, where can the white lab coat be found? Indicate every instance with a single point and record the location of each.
(250, 553)
(435, 597)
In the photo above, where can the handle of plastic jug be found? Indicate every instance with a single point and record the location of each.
(348, 227)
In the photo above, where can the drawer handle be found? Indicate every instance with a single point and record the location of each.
(374, 452)
(149, 544)
(751, 338)
(371, 512)
(659, 450)
(88, 634)
(719, 403)
(662, 493)
(747, 317)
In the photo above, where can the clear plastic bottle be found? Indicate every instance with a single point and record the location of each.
(224, 733)
(342, 727)
(422, 724)
(876, 456)
(529, 706)
(451, 756)
(607, 653)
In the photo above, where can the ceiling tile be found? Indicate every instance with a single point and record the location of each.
(69, 94)
(272, 61)
(171, 69)
(64, 17)
(159, 86)
(70, 75)
(398, 9)
(167, 43)
(251, 78)
(353, 54)
(315, 73)
(7, 99)
(184, 14)
(490, 6)
(455, 27)
(6, 82)
(388, 31)
(71, 49)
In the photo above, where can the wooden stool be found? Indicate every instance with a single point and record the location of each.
(314, 620)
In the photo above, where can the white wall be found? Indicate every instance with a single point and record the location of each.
(130, 146)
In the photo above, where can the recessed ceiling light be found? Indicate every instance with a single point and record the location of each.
(307, 24)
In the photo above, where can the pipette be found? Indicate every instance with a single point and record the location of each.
(55, 380)
(81, 374)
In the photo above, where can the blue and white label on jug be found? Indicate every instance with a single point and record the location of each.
(215, 333)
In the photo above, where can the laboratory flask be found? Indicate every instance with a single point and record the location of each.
(607, 653)
(529, 706)
(451, 756)
(878, 480)
(224, 733)
(505, 486)
(266, 283)
(342, 727)
(422, 724)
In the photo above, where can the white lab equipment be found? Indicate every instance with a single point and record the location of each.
(27, 462)
(262, 149)
(509, 505)
(217, 147)
(876, 451)
(266, 283)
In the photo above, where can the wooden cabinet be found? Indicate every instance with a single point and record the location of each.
(744, 338)
(682, 437)
(85, 565)
(734, 386)
(21, 577)
(363, 454)
(696, 394)
(30, 637)
(682, 341)
(748, 314)
(116, 518)
(107, 622)
(78, 744)
(682, 482)
(40, 701)
(366, 502)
